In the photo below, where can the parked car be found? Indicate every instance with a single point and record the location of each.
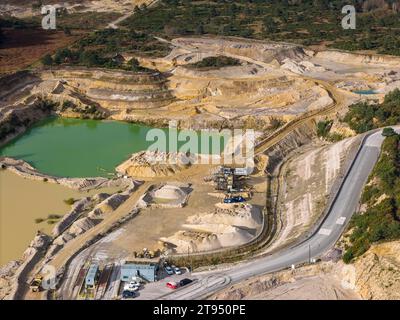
(176, 270)
(137, 280)
(184, 282)
(234, 199)
(126, 294)
(132, 286)
(169, 270)
(172, 285)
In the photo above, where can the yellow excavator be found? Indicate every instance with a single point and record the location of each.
(36, 283)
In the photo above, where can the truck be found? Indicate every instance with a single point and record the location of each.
(234, 199)
(36, 283)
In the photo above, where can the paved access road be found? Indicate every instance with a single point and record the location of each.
(318, 243)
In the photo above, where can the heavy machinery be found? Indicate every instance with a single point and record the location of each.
(36, 283)
(234, 199)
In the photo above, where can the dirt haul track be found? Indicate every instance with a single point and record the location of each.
(338, 103)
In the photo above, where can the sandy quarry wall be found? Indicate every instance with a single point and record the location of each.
(296, 138)
(260, 94)
(16, 121)
(260, 51)
(376, 274)
(207, 85)
(354, 58)
(115, 89)
(103, 76)
(12, 82)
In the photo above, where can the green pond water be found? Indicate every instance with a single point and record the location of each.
(370, 91)
(87, 148)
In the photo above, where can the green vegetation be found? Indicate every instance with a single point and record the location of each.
(302, 21)
(54, 216)
(66, 21)
(381, 221)
(103, 49)
(364, 116)
(323, 131)
(112, 41)
(323, 128)
(15, 23)
(133, 65)
(46, 105)
(9, 126)
(388, 132)
(214, 63)
(88, 58)
(69, 201)
(67, 31)
(85, 111)
(51, 219)
(276, 123)
(47, 60)
(84, 20)
(335, 137)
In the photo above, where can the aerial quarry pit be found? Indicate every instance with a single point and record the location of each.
(146, 214)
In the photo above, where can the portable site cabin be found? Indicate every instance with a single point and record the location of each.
(91, 276)
(242, 171)
(146, 271)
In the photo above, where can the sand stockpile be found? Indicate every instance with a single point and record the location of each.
(199, 241)
(207, 240)
(169, 192)
(82, 225)
(108, 205)
(170, 195)
(301, 67)
(226, 236)
(147, 164)
(232, 226)
(244, 215)
(189, 241)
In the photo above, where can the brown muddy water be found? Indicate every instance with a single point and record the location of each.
(21, 202)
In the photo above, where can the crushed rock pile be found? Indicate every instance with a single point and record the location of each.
(155, 164)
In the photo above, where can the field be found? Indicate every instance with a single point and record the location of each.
(23, 47)
(23, 41)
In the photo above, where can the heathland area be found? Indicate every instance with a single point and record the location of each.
(304, 22)
(316, 23)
